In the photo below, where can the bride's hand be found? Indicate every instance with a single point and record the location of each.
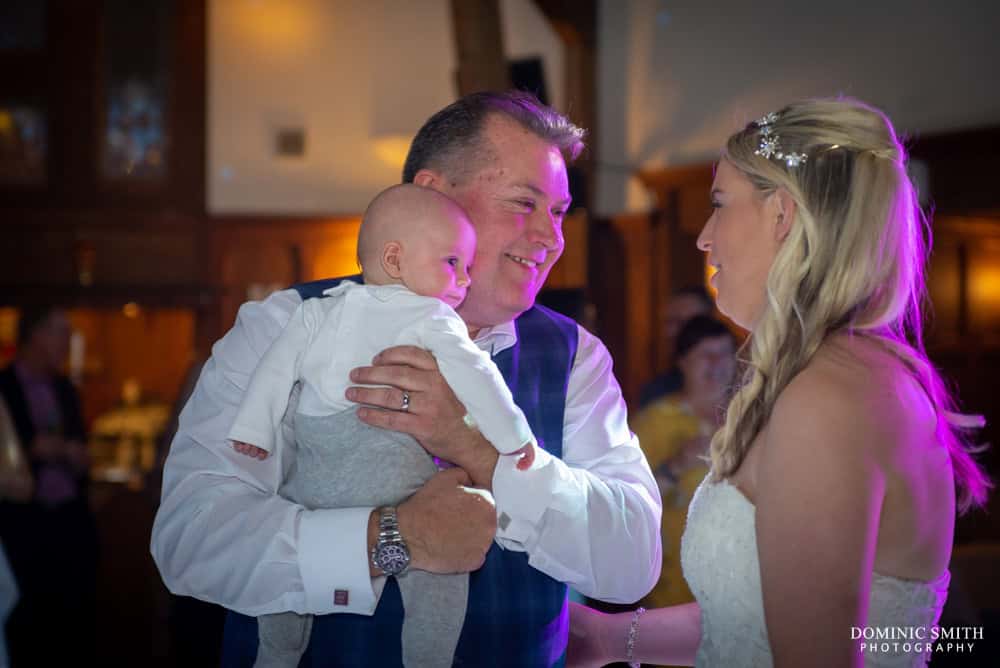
(588, 629)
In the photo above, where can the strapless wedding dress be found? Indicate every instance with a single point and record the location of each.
(719, 558)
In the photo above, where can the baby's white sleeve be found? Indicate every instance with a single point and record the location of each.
(475, 380)
(259, 417)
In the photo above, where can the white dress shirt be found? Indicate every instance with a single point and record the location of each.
(326, 338)
(222, 534)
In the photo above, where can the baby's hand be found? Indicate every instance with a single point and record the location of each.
(526, 456)
(249, 450)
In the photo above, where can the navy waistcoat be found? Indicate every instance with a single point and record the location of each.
(517, 616)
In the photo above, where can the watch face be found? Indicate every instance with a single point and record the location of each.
(392, 558)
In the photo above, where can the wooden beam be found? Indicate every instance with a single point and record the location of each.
(575, 21)
(479, 46)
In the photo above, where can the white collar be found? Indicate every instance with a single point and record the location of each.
(383, 293)
(497, 338)
(494, 340)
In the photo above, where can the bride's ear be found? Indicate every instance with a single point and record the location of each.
(785, 210)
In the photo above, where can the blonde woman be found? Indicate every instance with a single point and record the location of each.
(836, 476)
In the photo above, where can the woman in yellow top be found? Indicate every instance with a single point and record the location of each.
(674, 432)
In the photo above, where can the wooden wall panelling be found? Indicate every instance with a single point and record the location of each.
(682, 207)
(575, 21)
(128, 251)
(478, 46)
(621, 290)
(275, 252)
(963, 337)
(961, 168)
(606, 264)
(964, 283)
(571, 269)
(151, 346)
(661, 283)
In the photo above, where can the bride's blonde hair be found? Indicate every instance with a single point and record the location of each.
(853, 261)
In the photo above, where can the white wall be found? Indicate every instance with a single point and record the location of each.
(347, 72)
(359, 77)
(676, 78)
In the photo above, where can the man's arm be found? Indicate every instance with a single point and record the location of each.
(474, 378)
(222, 533)
(591, 519)
(265, 401)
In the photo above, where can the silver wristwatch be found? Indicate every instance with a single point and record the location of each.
(390, 553)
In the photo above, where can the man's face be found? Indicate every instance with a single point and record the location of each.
(516, 202)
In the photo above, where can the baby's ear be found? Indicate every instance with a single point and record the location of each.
(392, 254)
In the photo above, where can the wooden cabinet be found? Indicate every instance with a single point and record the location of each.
(102, 173)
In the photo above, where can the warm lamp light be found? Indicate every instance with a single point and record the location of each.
(709, 272)
(337, 253)
(984, 288)
(391, 149)
(276, 27)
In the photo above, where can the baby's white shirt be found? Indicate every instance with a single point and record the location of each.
(328, 337)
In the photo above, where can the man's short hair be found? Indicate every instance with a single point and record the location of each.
(451, 141)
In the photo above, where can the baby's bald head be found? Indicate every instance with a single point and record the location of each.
(405, 214)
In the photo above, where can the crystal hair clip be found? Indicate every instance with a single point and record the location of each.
(770, 144)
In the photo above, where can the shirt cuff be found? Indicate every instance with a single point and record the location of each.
(333, 560)
(522, 497)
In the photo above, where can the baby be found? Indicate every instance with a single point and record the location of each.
(415, 248)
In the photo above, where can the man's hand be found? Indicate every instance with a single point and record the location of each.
(448, 526)
(433, 416)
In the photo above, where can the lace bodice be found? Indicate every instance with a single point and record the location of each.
(719, 557)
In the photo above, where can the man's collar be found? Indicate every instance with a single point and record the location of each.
(497, 338)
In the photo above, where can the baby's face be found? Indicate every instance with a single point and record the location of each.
(437, 262)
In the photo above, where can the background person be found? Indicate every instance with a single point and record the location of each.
(675, 431)
(50, 540)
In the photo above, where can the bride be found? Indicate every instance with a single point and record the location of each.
(834, 482)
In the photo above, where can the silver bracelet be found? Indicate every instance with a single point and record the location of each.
(633, 633)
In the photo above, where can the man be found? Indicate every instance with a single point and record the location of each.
(585, 514)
